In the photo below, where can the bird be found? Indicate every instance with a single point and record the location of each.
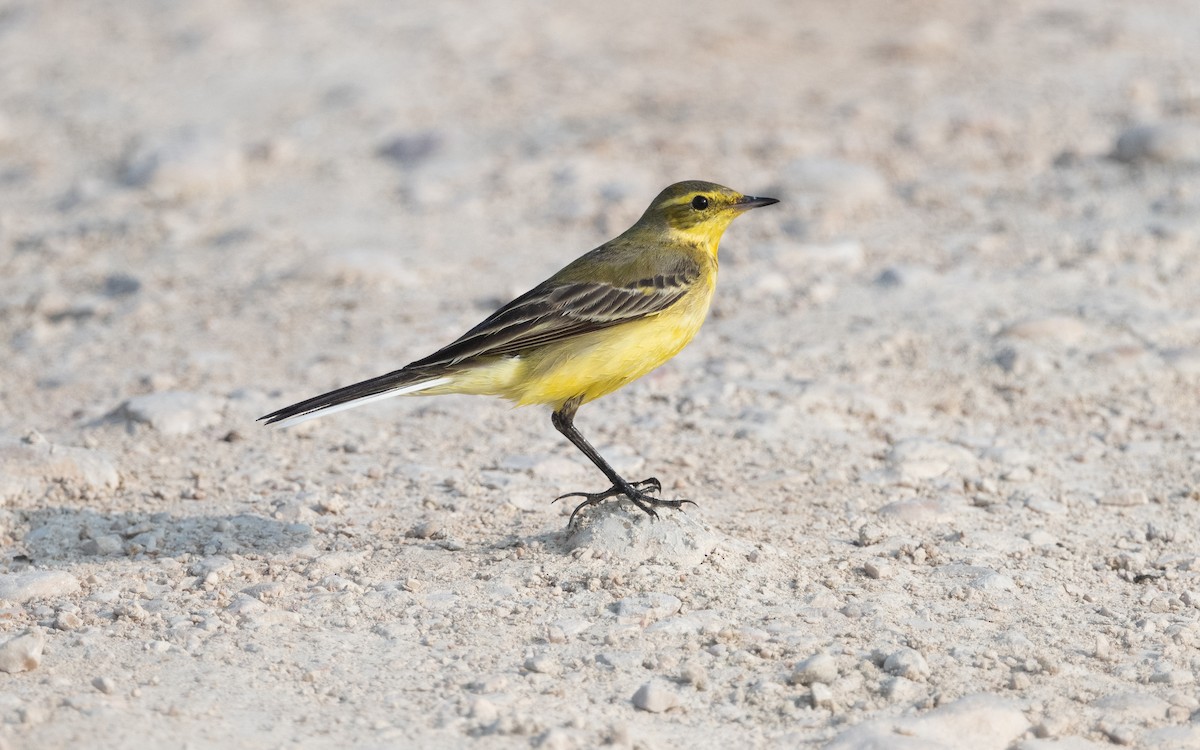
(606, 319)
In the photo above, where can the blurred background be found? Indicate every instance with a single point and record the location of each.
(967, 340)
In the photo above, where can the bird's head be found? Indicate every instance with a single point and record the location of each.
(698, 212)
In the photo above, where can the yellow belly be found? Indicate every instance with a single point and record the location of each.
(591, 365)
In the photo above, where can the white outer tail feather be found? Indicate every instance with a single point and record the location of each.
(326, 410)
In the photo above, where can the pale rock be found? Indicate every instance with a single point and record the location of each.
(917, 459)
(37, 584)
(174, 412)
(696, 621)
(621, 532)
(1062, 743)
(980, 722)
(919, 511)
(908, 663)
(22, 653)
(993, 581)
(655, 696)
(646, 608)
(1059, 329)
(30, 466)
(544, 664)
(816, 668)
(1124, 498)
(822, 695)
(1138, 708)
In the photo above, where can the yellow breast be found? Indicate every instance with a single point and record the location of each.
(599, 363)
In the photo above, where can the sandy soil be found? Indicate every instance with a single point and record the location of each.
(943, 426)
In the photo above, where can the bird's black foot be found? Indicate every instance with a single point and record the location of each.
(639, 493)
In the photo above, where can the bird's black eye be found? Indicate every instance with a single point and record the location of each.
(699, 203)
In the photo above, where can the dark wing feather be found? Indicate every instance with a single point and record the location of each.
(551, 313)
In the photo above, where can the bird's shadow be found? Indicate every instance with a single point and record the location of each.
(58, 535)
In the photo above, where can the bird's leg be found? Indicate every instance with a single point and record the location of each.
(637, 492)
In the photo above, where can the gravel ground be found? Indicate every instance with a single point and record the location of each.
(942, 428)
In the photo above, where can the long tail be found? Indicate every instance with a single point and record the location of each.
(395, 383)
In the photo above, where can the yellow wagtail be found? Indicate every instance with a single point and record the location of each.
(608, 318)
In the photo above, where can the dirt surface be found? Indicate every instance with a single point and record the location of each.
(942, 427)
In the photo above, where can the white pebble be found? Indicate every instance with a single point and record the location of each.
(1124, 498)
(822, 695)
(544, 664)
(907, 662)
(655, 697)
(816, 668)
(23, 653)
(647, 607)
(37, 584)
(879, 568)
(105, 685)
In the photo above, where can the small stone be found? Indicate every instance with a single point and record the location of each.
(23, 653)
(908, 663)
(695, 675)
(647, 608)
(1140, 708)
(544, 664)
(484, 711)
(1124, 498)
(870, 534)
(1162, 142)
(174, 412)
(816, 668)
(67, 621)
(993, 581)
(1060, 329)
(426, 530)
(655, 697)
(105, 685)
(410, 150)
(30, 466)
(879, 568)
(822, 695)
(1040, 538)
(37, 584)
(900, 689)
(105, 544)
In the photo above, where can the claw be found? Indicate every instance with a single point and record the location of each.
(639, 496)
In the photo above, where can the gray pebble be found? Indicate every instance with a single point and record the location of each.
(1163, 142)
(655, 697)
(105, 685)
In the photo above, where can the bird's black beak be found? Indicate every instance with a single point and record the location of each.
(749, 201)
